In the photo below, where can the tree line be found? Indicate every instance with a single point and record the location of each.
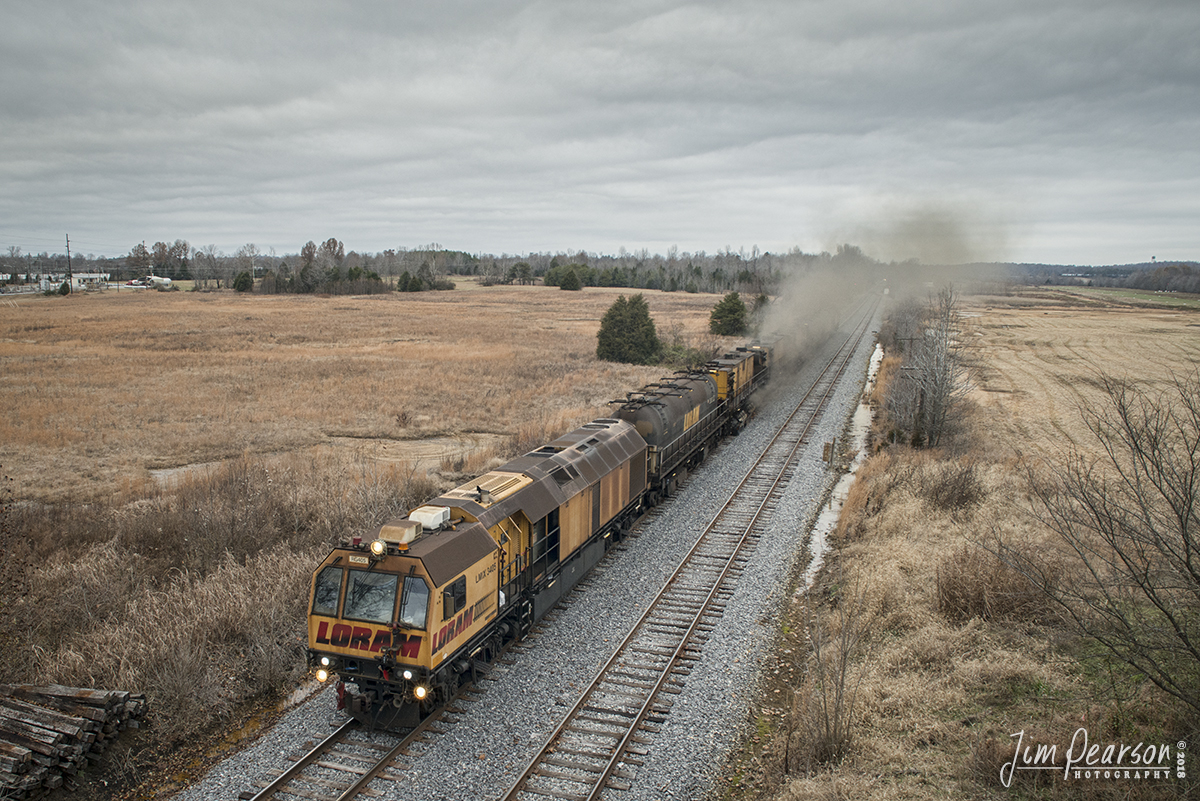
(328, 267)
(1154, 277)
(933, 381)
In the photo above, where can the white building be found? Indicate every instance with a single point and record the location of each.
(89, 280)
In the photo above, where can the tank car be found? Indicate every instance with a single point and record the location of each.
(678, 417)
(682, 417)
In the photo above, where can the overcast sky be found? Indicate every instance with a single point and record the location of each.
(1062, 131)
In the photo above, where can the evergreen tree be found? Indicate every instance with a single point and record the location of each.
(243, 282)
(627, 334)
(728, 317)
(571, 281)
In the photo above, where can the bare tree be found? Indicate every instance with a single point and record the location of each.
(940, 372)
(204, 265)
(308, 254)
(139, 259)
(819, 728)
(245, 257)
(934, 379)
(1129, 524)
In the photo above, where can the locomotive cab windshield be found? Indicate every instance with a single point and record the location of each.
(370, 596)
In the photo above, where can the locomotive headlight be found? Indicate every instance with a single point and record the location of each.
(322, 675)
(326, 661)
(379, 547)
(408, 675)
(420, 691)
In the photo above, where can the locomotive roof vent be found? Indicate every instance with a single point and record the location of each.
(431, 517)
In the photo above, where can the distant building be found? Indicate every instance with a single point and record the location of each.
(89, 280)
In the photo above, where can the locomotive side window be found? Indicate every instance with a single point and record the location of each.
(414, 603)
(371, 597)
(454, 598)
(325, 594)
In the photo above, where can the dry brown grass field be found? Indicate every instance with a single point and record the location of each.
(177, 462)
(100, 390)
(947, 651)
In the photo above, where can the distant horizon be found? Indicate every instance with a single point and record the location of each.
(573, 252)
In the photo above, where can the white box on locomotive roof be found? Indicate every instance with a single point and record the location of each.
(431, 517)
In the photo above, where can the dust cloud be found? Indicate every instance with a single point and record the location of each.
(910, 248)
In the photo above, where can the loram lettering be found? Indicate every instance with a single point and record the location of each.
(453, 629)
(364, 638)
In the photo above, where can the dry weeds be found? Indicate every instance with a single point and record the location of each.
(194, 596)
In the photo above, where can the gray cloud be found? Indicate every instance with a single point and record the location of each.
(1059, 131)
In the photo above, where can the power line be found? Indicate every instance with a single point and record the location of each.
(121, 249)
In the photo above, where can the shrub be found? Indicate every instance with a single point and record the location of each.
(243, 282)
(953, 488)
(819, 728)
(627, 334)
(570, 282)
(728, 317)
(1129, 533)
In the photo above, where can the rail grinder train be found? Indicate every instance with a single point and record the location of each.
(402, 621)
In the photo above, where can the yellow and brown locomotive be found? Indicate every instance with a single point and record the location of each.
(404, 619)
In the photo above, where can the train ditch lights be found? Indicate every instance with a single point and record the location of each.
(420, 692)
(324, 671)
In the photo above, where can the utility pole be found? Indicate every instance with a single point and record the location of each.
(70, 283)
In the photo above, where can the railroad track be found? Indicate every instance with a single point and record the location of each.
(605, 734)
(343, 765)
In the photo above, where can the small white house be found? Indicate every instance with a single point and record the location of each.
(89, 280)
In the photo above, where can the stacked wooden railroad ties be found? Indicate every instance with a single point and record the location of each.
(47, 733)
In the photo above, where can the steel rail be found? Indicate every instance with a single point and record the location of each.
(281, 782)
(312, 756)
(361, 784)
(776, 470)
